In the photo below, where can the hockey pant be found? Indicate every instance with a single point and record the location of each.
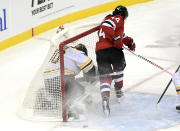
(110, 60)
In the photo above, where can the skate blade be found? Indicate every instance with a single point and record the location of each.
(119, 100)
(178, 111)
(106, 113)
(105, 109)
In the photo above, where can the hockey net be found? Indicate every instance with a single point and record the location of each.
(44, 99)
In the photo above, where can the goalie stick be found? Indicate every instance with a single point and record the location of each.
(167, 87)
(148, 61)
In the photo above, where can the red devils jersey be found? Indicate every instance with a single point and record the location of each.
(111, 33)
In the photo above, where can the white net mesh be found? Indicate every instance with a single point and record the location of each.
(42, 101)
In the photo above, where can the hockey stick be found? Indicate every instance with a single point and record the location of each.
(148, 61)
(112, 75)
(167, 87)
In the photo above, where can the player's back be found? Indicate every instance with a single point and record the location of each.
(110, 32)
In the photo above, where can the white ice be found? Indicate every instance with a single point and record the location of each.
(155, 27)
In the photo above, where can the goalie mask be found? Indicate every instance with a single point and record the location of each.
(122, 11)
(82, 48)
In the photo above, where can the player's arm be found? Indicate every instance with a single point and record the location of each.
(85, 63)
(89, 70)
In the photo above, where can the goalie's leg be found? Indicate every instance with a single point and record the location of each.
(76, 98)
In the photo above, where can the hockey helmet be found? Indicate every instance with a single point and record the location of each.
(121, 10)
(82, 48)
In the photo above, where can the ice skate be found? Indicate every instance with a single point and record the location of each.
(76, 115)
(72, 115)
(178, 108)
(119, 94)
(105, 105)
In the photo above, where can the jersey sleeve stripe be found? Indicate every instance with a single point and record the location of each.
(105, 24)
(69, 72)
(116, 38)
(85, 63)
(178, 92)
(88, 67)
(109, 23)
(48, 70)
(178, 88)
(88, 64)
(51, 74)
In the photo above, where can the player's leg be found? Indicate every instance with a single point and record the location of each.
(119, 85)
(76, 97)
(119, 64)
(104, 68)
(70, 95)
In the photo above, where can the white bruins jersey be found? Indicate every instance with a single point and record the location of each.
(74, 62)
(176, 81)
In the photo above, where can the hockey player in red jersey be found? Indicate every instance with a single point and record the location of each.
(109, 53)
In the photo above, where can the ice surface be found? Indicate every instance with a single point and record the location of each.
(155, 27)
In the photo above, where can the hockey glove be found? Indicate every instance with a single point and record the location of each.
(128, 41)
(132, 46)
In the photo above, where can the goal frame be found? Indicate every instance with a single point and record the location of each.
(61, 57)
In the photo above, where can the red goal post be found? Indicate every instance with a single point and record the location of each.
(61, 54)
